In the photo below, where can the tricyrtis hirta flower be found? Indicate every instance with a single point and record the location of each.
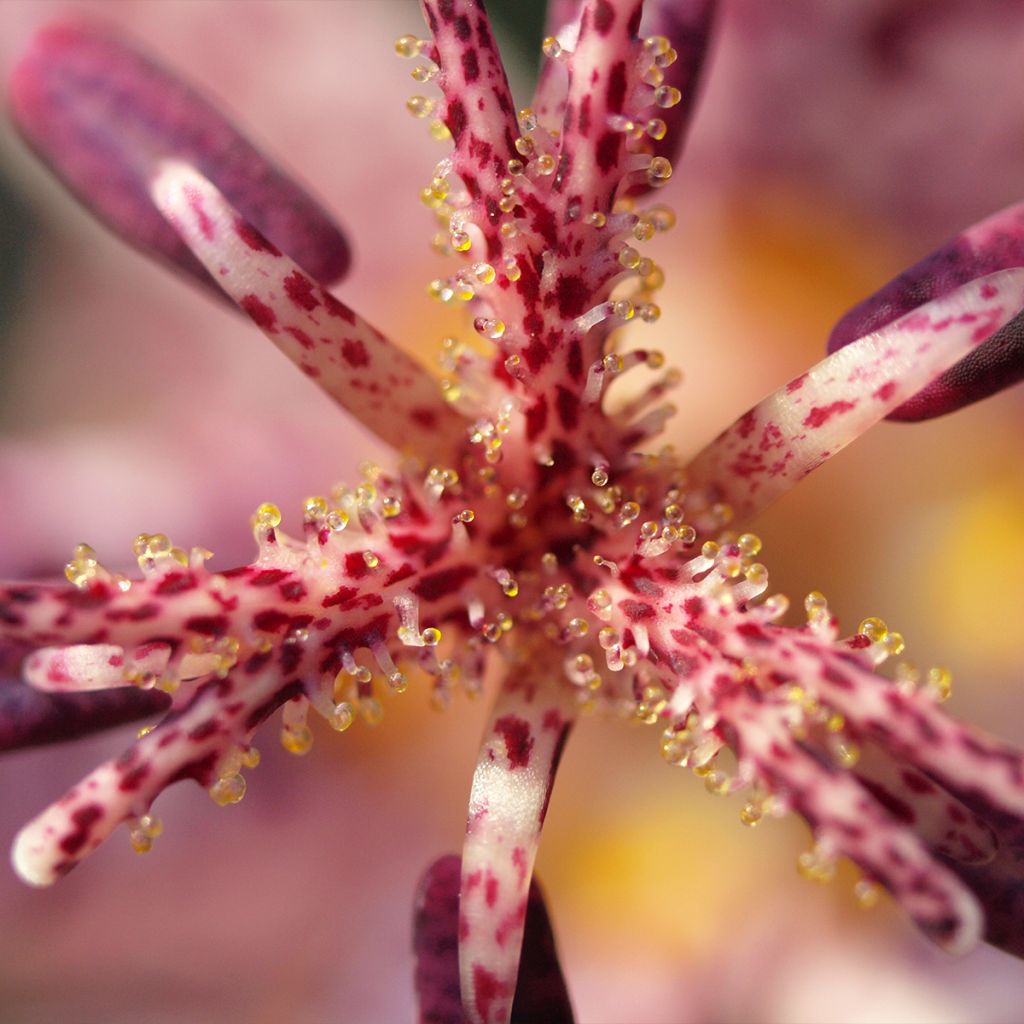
(530, 528)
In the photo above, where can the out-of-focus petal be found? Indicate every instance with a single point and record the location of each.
(100, 114)
(29, 718)
(999, 885)
(996, 243)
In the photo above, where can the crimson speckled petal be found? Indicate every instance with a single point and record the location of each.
(540, 988)
(374, 380)
(29, 718)
(515, 773)
(535, 537)
(996, 243)
(674, 81)
(802, 425)
(100, 114)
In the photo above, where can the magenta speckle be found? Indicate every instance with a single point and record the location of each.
(300, 290)
(253, 239)
(195, 204)
(487, 988)
(821, 414)
(516, 733)
(262, 315)
(354, 353)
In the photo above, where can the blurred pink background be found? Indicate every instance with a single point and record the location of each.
(837, 142)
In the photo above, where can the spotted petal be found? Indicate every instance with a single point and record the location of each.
(373, 379)
(803, 424)
(507, 806)
(540, 988)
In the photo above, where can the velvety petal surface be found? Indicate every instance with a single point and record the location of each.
(29, 718)
(996, 243)
(100, 114)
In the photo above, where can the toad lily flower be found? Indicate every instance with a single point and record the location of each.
(527, 530)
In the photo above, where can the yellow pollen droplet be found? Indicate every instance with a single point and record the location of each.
(894, 644)
(341, 717)
(315, 508)
(629, 257)
(643, 231)
(940, 682)
(431, 636)
(297, 739)
(656, 128)
(527, 120)
(484, 273)
(749, 544)
(268, 516)
(545, 164)
(667, 96)
(419, 106)
(551, 48)
(751, 814)
(489, 328)
(229, 789)
(659, 171)
(408, 46)
(874, 629)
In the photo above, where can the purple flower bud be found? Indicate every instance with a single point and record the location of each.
(101, 116)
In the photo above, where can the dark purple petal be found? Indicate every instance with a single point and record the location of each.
(29, 718)
(998, 884)
(101, 115)
(541, 993)
(996, 243)
(687, 24)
